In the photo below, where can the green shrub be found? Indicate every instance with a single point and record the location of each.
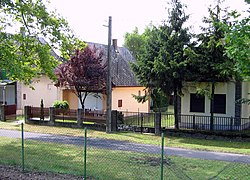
(61, 105)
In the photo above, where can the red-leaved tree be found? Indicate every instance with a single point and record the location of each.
(84, 73)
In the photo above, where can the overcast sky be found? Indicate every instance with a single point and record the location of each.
(87, 17)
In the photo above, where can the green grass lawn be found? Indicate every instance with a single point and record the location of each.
(182, 142)
(110, 164)
(167, 120)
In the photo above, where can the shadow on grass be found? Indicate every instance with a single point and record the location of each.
(213, 145)
(44, 157)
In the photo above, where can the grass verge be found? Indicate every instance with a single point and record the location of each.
(111, 164)
(182, 142)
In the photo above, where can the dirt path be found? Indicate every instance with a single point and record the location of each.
(14, 173)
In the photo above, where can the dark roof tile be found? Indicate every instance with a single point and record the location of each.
(122, 74)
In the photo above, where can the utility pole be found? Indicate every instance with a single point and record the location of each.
(109, 85)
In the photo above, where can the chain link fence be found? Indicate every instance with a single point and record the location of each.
(94, 158)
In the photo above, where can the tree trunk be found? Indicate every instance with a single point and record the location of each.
(82, 98)
(176, 110)
(212, 107)
(238, 95)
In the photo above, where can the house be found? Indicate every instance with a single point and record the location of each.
(7, 90)
(19, 95)
(225, 106)
(124, 85)
(123, 80)
(39, 89)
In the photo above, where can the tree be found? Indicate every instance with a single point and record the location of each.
(162, 64)
(136, 42)
(28, 53)
(209, 62)
(85, 73)
(237, 39)
(237, 45)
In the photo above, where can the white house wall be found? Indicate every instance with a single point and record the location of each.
(220, 88)
(93, 102)
(245, 111)
(9, 94)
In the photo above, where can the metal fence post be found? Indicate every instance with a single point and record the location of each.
(22, 147)
(194, 121)
(85, 152)
(231, 123)
(141, 122)
(162, 154)
(138, 117)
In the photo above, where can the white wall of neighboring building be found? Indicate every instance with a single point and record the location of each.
(220, 88)
(245, 111)
(9, 93)
(43, 89)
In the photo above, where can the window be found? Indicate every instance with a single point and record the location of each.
(220, 103)
(24, 96)
(197, 103)
(119, 103)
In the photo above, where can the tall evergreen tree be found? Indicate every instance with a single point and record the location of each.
(210, 64)
(162, 65)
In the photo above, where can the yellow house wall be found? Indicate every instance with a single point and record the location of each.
(128, 102)
(118, 93)
(220, 88)
(71, 98)
(43, 89)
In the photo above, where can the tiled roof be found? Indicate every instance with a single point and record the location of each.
(122, 74)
